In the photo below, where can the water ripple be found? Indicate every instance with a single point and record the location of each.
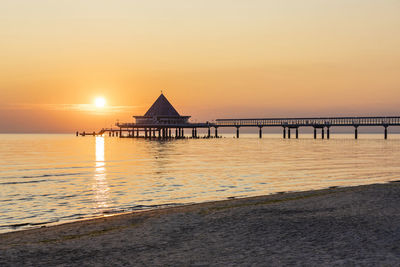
(39, 184)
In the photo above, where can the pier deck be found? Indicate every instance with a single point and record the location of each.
(173, 130)
(317, 123)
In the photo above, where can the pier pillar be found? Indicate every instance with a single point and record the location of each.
(169, 133)
(237, 132)
(145, 133)
(260, 132)
(355, 132)
(176, 132)
(386, 132)
(192, 132)
(297, 133)
(116, 134)
(328, 134)
(183, 133)
(323, 133)
(315, 133)
(77, 133)
(120, 132)
(288, 133)
(209, 132)
(284, 133)
(216, 132)
(195, 132)
(137, 132)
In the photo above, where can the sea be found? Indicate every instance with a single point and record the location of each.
(49, 179)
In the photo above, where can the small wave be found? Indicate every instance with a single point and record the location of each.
(55, 168)
(14, 226)
(113, 211)
(145, 207)
(63, 196)
(19, 225)
(55, 175)
(44, 175)
(75, 216)
(24, 182)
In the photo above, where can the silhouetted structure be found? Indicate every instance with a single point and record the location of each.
(161, 112)
(160, 121)
(163, 121)
(316, 123)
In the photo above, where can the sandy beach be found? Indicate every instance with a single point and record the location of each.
(337, 226)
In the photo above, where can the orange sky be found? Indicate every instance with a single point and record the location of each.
(211, 58)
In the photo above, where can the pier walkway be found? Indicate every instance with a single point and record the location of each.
(323, 123)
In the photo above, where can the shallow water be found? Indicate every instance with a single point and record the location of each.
(58, 178)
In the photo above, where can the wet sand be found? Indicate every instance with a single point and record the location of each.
(343, 226)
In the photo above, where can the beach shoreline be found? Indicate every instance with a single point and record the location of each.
(344, 225)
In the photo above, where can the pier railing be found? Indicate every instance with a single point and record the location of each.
(163, 125)
(312, 122)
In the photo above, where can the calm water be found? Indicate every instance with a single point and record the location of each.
(59, 178)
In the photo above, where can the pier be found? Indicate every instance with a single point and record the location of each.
(322, 124)
(162, 121)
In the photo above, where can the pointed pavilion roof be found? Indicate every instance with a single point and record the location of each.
(161, 107)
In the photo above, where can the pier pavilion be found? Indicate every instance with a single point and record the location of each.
(161, 112)
(161, 121)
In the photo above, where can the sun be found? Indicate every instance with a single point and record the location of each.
(100, 102)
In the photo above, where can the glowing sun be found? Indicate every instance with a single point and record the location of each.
(100, 102)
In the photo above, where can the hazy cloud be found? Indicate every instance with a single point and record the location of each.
(90, 108)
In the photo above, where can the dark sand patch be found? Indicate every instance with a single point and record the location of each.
(344, 226)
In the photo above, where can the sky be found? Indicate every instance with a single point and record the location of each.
(212, 59)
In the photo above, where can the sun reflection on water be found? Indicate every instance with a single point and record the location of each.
(100, 186)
